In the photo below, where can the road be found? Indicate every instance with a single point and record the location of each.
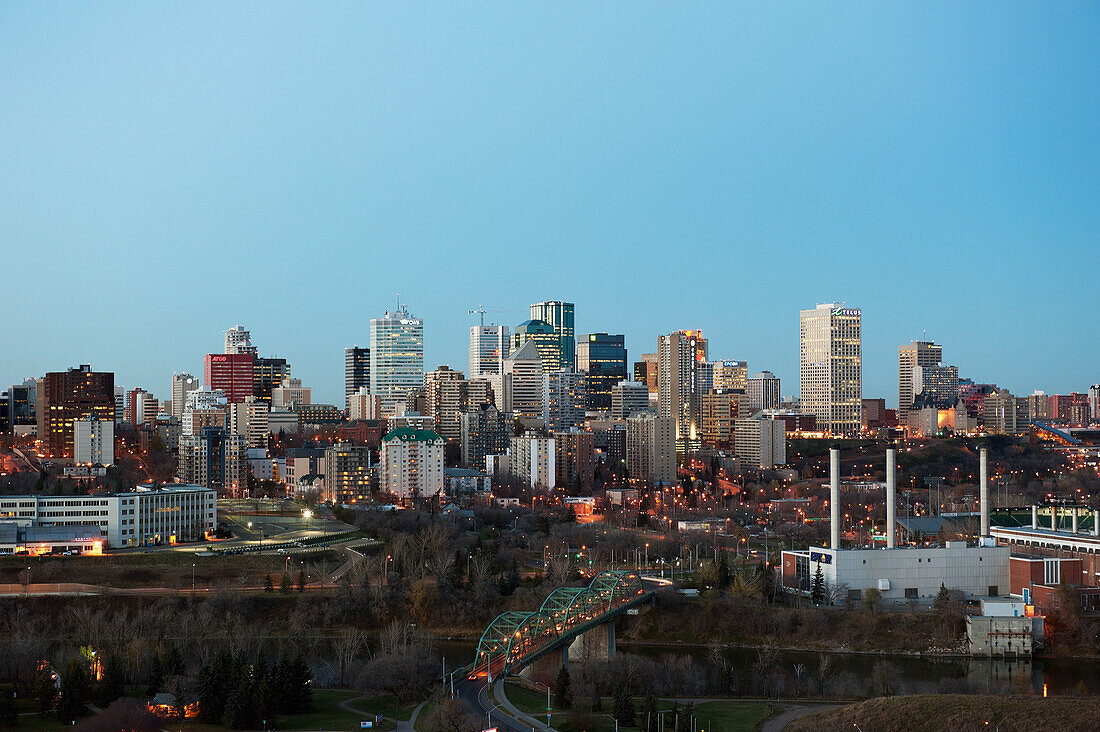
(476, 695)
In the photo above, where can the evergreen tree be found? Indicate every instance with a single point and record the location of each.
(74, 692)
(9, 716)
(111, 683)
(214, 682)
(942, 601)
(649, 713)
(684, 724)
(46, 691)
(269, 586)
(623, 709)
(284, 584)
(723, 573)
(301, 580)
(817, 587)
(564, 691)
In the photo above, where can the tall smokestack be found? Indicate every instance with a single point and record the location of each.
(1096, 523)
(1075, 519)
(983, 478)
(834, 498)
(1034, 516)
(891, 496)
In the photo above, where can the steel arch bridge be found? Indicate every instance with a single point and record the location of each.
(516, 639)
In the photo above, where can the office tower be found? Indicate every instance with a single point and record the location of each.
(574, 459)
(761, 443)
(232, 374)
(396, 357)
(763, 390)
(560, 316)
(1005, 414)
(628, 398)
(911, 355)
(215, 458)
(489, 346)
(651, 448)
(523, 383)
(182, 383)
(546, 340)
(646, 371)
(602, 358)
(938, 384)
(533, 459)
(347, 473)
(730, 375)
(1094, 402)
(680, 359)
(22, 404)
(830, 367)
(364, 405)
(238, 340)
(484, 431)
(356, 370)
(412, 463)
(291, 392)
(267, 374)
(94, 441)
(448, 394)
(63, 397)
(719, 409)
(563, 399)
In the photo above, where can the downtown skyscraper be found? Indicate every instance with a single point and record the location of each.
(831, 366)
(396, 357)
(560, 316)
(682, 373)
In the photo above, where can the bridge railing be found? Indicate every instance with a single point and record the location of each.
(515, 637)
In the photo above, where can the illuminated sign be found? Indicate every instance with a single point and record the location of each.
(821, 557)
(846, 311)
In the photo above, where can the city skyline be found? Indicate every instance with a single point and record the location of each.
(725, 168)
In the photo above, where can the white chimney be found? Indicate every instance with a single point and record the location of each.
(983, 488)
(1075, 519)
(891, 496)
(834, 498)
(1096, 523)
(1034, 516)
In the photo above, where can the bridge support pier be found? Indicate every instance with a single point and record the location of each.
(597, 643)
(610, 639)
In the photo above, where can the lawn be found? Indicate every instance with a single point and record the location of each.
(326, 714)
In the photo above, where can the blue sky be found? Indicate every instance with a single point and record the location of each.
(169, 170)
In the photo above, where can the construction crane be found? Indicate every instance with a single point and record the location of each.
(480, 310)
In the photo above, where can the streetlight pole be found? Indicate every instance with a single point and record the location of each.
(193, 577)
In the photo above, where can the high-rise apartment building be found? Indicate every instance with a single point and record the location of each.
(682, 378)
(215, 458)
(1038, 405)
(291, 392)
(396, 357)
(141, 407)
(412, 463)
(910, 356)
(831, 367)
(534, 459)
(249, 420)
(182, 383)
(763, 390)
(560, 316)
(523, 383)
(1094, 402)
(761, 443)
(628, 398)
(485, 430)
(651, 448)
(1005, 414)
(268, 374)
(719, 409)
(94, 441)
(563, 400)
(448, 394)
(347, 473)
(238, 340)
(62, 397)
(364, 405)
(232, 374)
(602, 358)
(356, 370)
(730, 375)
(574, 459)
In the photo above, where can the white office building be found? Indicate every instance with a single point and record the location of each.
(533, 458)
(488, 349)
(182, 384)
(93, 442)
(760, 443)
(238, 340)
(523, 384)
(147, 515)
(629, 398)
(763, 391)
(831, 367)
(396, 357)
